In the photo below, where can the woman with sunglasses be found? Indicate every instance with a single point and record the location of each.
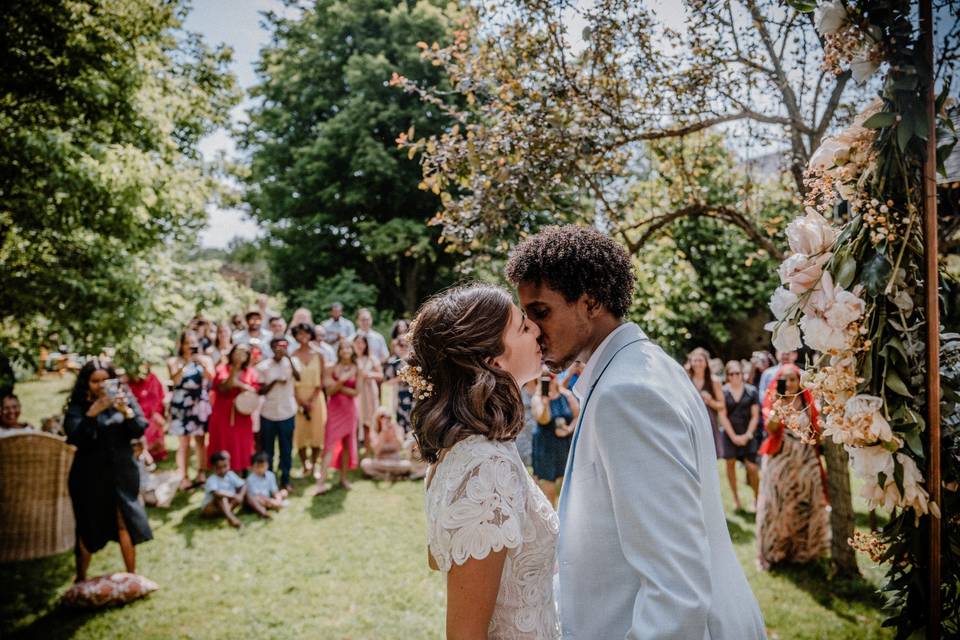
(739, 427)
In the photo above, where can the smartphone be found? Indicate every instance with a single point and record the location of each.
(194, 350)
(112, 387)
(545, 386)
(781, 387)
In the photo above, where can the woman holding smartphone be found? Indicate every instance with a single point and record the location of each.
(101, 419)
(555, 409)
(191, 373)
(793, 523)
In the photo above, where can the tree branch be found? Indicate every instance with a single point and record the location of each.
(654, 224)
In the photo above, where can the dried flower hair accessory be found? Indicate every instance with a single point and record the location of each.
(421, 387)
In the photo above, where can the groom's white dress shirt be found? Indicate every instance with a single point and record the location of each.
(644, 549)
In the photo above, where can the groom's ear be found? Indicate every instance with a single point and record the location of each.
(592, 305)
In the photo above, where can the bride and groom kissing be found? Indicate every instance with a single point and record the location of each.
(639, 542)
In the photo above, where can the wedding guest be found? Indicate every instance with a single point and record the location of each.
(148, 390)
(340, 439)
(369, 376)
(277, 378)
(222, 344)
(698, 368)
(400, 396)
(278, 327)
(783, 358)
(792, 518)
(236, 323)
(740, 424)
(254, 335)
(525, 437)
(224, 491)
(555, 409)
(312, 403)
(301, 316)
(399, 329)
(190, 373)
(378, 346)
(10, 416)
(386, 442)
(336, 327)
(101, 419)
(263, 494)
(230, 429)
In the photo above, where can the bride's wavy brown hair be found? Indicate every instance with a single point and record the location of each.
(455, 337)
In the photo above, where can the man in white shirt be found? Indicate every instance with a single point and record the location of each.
(336, 326)
(375, 341)
(253, 335)
(277, 376)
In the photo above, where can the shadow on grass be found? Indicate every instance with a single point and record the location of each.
(31, 587)
(740, 534)
(830, 591)
(328, 504)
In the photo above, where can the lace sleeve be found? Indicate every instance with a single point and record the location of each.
(480, 514)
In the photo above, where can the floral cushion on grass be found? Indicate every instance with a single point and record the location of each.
(108, 591)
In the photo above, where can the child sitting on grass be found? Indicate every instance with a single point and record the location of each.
(262, 490)
(224, 490)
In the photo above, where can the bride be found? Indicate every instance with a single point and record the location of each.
(489, 528)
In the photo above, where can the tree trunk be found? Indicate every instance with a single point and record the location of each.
(841, 514)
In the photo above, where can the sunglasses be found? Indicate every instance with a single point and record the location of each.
(734, 373)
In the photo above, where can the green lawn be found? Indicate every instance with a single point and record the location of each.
(347, 565)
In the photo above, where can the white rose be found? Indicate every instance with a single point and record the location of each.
(836, 305)
(827, 154)
(829, 17)
(811, 235)
(862, 66)
(781, 302)
(821, 337)
(800, 272)
(871, 461)
(866, 406)
(846, 308)
(786, 335)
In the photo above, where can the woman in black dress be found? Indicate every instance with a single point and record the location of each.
(101, 419)
(738, 440)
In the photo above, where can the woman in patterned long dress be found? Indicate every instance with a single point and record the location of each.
(792, 518)
(490, 530)
(191, 373)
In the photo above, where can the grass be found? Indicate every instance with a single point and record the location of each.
(347, 565)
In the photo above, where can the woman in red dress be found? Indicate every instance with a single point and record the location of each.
(148, 390)
(340, 439)
(230, 430)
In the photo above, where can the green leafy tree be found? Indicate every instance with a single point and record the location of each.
(102, 105)
(325, 175)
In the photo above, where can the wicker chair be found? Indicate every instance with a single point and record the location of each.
(36, 517)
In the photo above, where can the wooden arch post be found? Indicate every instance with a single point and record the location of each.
(933, 324)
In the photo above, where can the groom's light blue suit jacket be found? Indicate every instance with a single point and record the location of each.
(644, 549)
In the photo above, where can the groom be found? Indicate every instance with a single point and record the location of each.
(644, 550)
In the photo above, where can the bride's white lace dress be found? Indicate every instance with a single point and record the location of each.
(481, 499)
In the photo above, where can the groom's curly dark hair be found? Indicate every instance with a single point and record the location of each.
(574, 260)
